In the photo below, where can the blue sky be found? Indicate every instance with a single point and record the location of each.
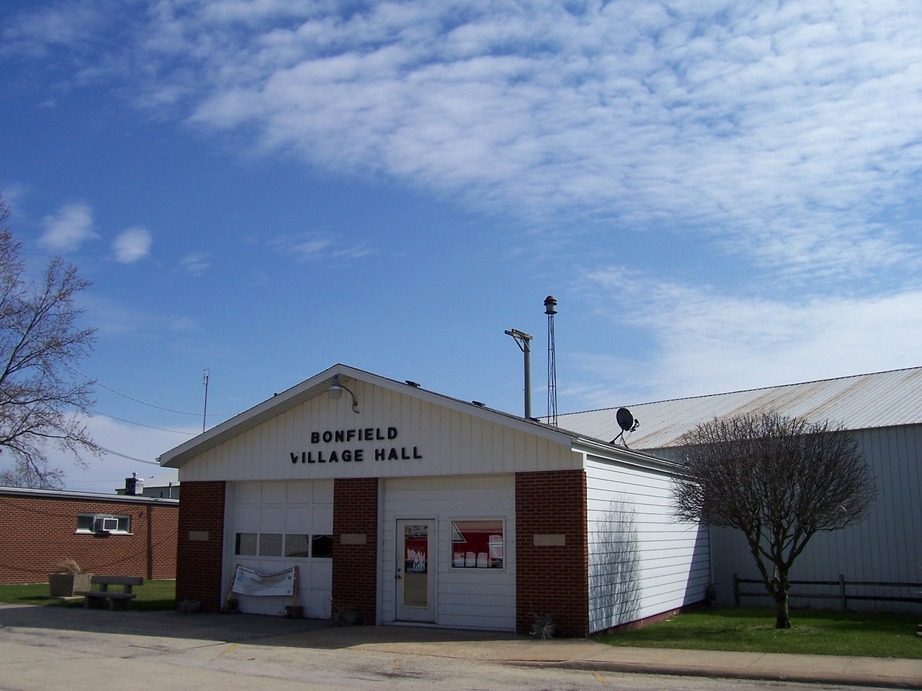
(721, 195)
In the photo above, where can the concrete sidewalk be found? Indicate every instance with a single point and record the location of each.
(590, 655)
(499, 648)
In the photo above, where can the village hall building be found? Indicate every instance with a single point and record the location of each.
(398, 504)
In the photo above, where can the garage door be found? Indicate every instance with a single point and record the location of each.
(277, 525)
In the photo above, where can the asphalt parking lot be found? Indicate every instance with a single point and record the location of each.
(73, 648)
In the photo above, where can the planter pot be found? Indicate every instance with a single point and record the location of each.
(64, 584)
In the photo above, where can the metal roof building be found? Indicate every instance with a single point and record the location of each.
(884, 413)
(865, 401)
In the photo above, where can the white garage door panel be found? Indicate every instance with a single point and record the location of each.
(287, 508)
(296, 517)
(273, 493)
(271, 519)
(322, 519)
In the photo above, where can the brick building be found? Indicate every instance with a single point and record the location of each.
(104, 534)
(398, 504)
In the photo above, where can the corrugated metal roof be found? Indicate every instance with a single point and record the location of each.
(884, 399)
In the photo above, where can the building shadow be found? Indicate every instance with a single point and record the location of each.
(614, 566)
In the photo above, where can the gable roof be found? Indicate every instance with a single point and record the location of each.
(864, 401)
(320, 384)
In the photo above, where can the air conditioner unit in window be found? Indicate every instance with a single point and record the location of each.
(105, 525)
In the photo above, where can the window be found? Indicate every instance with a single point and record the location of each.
(296, 545)
(477, 543)
(246, 544)
(270, 545)
(103, 523)
(322, 546)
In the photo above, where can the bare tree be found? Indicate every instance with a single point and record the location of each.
(40, 400)
(778, 479)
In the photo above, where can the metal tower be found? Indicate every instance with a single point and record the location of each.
(550, 309)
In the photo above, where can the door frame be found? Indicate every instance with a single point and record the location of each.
(409, 611)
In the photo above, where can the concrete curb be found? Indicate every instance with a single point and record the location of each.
(715, 672)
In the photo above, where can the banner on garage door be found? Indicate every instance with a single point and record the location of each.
(250, 582)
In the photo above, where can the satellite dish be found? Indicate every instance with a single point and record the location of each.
(626, 422)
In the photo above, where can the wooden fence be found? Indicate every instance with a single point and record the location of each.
(845, 590)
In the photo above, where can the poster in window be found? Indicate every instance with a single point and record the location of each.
(416, 545)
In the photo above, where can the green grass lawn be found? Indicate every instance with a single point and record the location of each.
(153, 595)
(752, 630)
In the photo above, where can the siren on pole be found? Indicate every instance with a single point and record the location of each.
(550, 309)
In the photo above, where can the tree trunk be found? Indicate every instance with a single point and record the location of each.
(782, 611)
(782, 616)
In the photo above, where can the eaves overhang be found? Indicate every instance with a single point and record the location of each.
(607, 451)
(319, 385)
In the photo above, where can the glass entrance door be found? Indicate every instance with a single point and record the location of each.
(415, 576)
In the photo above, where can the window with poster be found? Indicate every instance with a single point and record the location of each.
(478, 543)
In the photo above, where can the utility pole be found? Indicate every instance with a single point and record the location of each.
(523, 340)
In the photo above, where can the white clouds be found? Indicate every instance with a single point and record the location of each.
(707, 342)
(67, 24)
(195, 263)
(141, 444)
(68, 229)
(305, 247)
(753, 122)
(13, 193)
(132, 245)
(781, 140)
(749, 123)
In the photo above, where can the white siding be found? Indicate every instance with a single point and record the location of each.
(886, 547)
(467, 598)
(295, 508)
(450, 443)
(641, 561)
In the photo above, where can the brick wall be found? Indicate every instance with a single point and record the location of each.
(38, 532)
(200, 544)
(355, 566)
(552, 550)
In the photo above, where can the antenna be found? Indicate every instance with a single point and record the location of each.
(550, 309)
(626, 422)
(523, 341)
(205, 407)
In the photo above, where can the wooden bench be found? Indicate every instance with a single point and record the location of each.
(97, 597)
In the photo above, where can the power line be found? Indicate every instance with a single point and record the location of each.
(96, 382)
(122, 455)
(141, 424)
